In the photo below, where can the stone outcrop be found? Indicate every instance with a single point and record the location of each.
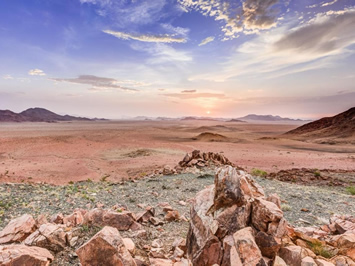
(18, 229)
(105, 248)
(12, 255)
(202, 159)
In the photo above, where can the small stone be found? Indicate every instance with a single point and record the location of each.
(130, 246)
(172, 216)
(308, 261)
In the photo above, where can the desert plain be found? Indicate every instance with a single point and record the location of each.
(63, 152)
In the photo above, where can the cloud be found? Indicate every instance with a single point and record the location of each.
(252, 16)
(36, 72)
(188, 91)
(146, 38)
(98, 83)
(207, 40)
(7, 77)
(324, 36)
(195, 95)
(316, 44)
(329, 3)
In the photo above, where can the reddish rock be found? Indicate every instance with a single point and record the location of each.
(274, 198)
(246, 247)
(180, 243)
(105, 248)
(346, 240)
(94, 217)
(18, 229)
(279, 262)
(130, 246)
(74, 219)
(292, 255)
(321, 262)
(263, 213)
(172, 216)
(308, 261)
(155, 221)
(144, 216)
(41, 219)
(13, 255)
(268, 244)
(57, 218)
(230, 254)
(49, 236)
(160, 262)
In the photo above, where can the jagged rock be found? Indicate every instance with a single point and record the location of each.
(292, 255)
(105, 248)
(49, 236)
(57, 218)
(144, 216)
(130, 246)
(121, 220)
(279, 262)
(155, 221)
(13, 255)
(274, 198)
(246, 247)
(160, 262)
(268, 244)
(342, 260)
(321, 262)
(263, 213)
(41, 219)
(17, 229)
(308, 261)
(172, 216)
(74, 219)
(180, 243)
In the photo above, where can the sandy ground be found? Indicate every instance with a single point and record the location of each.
(58, 153)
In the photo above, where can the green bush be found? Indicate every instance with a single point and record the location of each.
(258, 172)
(351, 190)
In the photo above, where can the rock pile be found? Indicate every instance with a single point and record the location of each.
(203, 159)
(234, 223)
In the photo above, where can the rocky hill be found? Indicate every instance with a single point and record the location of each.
(337, 127)
(267, 118)
(36, 115)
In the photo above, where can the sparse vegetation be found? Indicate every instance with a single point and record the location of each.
(285, 207)
(317, 173)
(351, 190)
(321, 250)
(258, 172)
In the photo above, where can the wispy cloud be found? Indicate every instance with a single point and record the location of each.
(97, 83)
(207, 40)
(145, 37)
(7, 77)
(36, 72)
(252, 16)
(195, 95)
(329, 3)
(188, 91)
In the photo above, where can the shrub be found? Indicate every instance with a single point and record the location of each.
(258, 172)
(351, 190)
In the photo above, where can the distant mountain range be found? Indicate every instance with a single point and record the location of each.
(38, 115)
(339, 126)
(274, 118)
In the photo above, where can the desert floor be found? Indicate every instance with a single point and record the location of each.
(58, 153)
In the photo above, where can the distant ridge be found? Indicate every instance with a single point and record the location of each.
(338, 126)
(37, 115)
(267, 118)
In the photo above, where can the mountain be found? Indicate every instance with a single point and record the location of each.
(37, 115)
(266, 118)
(336, 127)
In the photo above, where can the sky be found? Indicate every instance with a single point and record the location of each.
(218, 58)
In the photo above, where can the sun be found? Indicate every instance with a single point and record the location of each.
(208, 112)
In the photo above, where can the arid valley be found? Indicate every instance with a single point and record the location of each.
(57, 153)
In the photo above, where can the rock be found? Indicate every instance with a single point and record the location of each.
(291, 255)
(130, 246)
(157, 253)
(74, 219)
(172, 216)
(13, 255)
(279, 262)
(346, 240)
(203, 247)
(274, 198)
(178, 253)
(157, 243)
(120, 220)
(230, 254)
(321, 262)
(143, 217)
(140, 234)
(57, 218)
(246, 247)
(155, 221)
(41, 219)
(18, 229)
(343, 223)
(308, 261)
(187, 158)
(263, 213)
(160, 262)
(49, 236)
(105, 248)
(342, 260)
(268, 244)
(180, 243)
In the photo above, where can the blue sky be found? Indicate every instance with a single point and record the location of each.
(219, 58)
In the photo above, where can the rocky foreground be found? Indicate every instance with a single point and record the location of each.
(231, 222)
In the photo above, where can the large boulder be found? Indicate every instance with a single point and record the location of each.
(233, 224)
(13, 255)
(18, 229)
(105, 248)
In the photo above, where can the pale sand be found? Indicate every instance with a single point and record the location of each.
(61, 152)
